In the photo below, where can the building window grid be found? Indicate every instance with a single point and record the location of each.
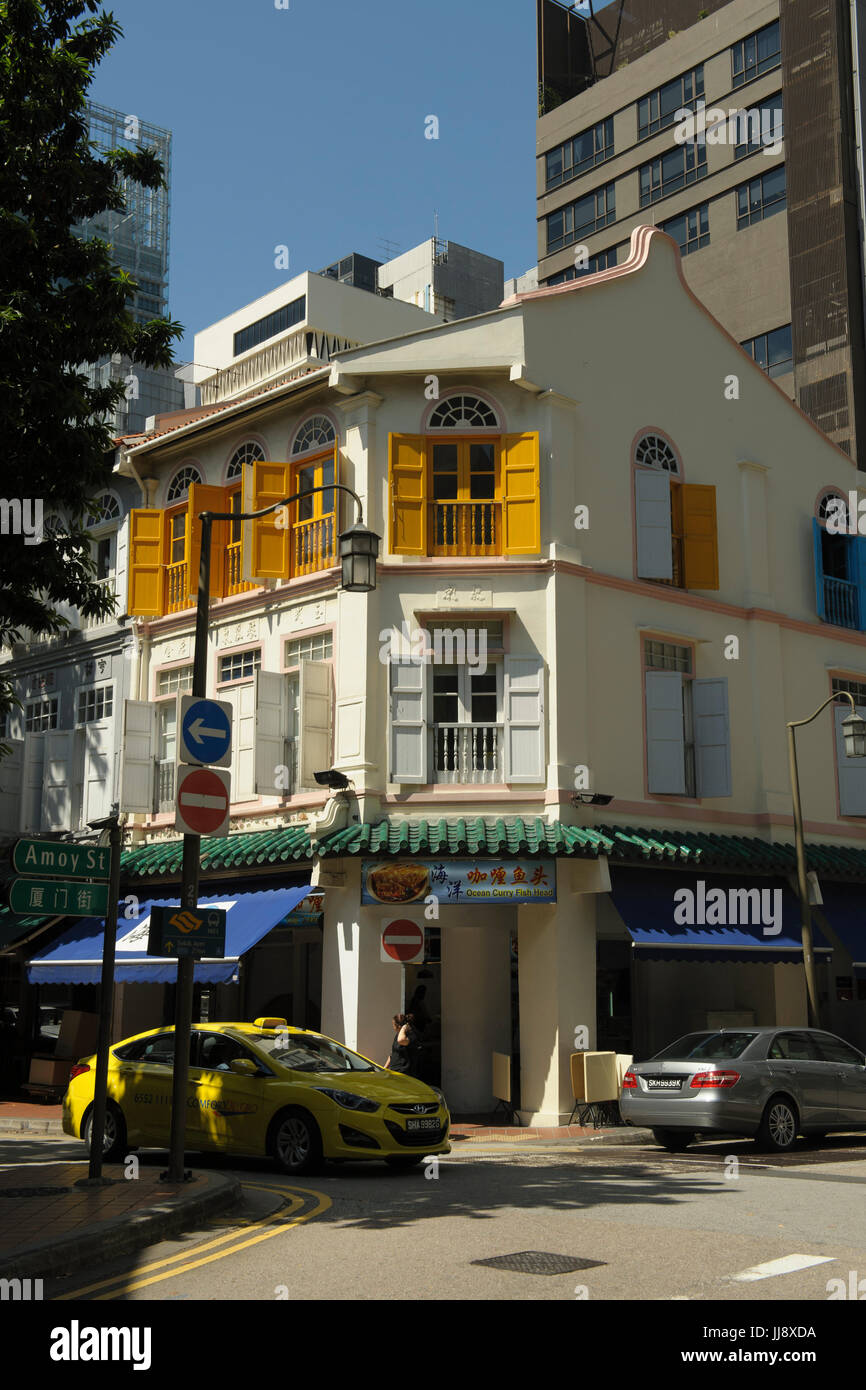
(176, 681)
(658, 109)
(587, 215)
(855, 688)
(755, 142)
(667, 656)
(95, 703)
(318, 647)
(691, 230)
(315, 433)
(181, 482)
(580, 154)
(672, 171)
(239, 666)
(41, 715)
(463, 412)
(757, 54)
(250, 452)
(773, 351)
(270, 326)
(652, 451)
(761, 197)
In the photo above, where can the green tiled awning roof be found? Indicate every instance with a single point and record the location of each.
(255, 849)
(503, 836)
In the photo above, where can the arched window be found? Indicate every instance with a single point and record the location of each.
(462, 412)
(109, 509)
(315, 433)
(180, 483)
(653, 451)
(830, 494)
(249, 452)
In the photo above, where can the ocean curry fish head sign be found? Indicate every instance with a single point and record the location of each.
(456, 881)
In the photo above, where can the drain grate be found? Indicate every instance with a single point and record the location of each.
(539, 1262)
(33, 1191)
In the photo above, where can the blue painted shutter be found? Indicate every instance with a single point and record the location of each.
(712, 737)
(858, 565)
(851, 771)
(819, 569)
(652, 496)
(524, 719)
(665, 740)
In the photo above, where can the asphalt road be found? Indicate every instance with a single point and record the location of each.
(640, 1223)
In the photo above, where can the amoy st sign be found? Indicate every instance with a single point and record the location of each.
(53, 883)
(54, 859)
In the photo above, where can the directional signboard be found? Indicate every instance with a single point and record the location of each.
(54, 858)
(205, 731)
(403, 941)
(180, 931)
(51, 899)
(203, 795)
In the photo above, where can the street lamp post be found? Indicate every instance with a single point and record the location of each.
(359, 548)
(855, 747)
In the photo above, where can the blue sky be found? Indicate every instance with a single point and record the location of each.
(305, 127)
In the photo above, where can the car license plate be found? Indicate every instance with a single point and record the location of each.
(431, 1123)
(663, 1083)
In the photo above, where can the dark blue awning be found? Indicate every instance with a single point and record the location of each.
(845, 911)
(77, 957)
(665, 923)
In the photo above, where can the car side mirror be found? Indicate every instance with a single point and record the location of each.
(243, 1066)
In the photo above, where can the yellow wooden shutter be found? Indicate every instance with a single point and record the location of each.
(700, 539)
(146, 564)
(204, 498)
(521, 522)
(407, 483)
(270, 542)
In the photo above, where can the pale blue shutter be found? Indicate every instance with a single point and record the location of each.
(408, 711)
(11, 778)
(524, 719)
(31, 808)
(820, 599)
(652, 495)
(57, 782)
(271, 733)
(665, 741)
(98, 782)
(712, 737)
(136, 757)
(851, 771)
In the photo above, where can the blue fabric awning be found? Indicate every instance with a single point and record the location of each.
(845, 911)
(664, 924)
(76, 958)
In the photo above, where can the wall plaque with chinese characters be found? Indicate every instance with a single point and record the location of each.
(464, 598)
(458, 881)
(46, 898)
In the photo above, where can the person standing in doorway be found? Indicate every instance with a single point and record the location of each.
(406, 1047)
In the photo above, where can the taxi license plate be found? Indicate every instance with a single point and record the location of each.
(431, 1123)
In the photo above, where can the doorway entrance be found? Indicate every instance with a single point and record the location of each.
(423, 997)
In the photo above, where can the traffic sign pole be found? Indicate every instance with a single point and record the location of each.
(106, 1005)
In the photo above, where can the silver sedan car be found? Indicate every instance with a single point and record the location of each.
(770, 1084)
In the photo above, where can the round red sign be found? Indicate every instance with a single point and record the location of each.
(403, 940)
(203, 801)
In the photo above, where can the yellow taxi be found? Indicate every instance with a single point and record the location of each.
(262, 1089)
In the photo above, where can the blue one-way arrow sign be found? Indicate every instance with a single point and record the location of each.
(205, 731)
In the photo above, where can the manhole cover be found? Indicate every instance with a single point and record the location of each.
(33, 1191)
(538, 1262)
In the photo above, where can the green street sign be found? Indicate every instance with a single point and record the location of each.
(49, 899)
(56, 859)
(178, 931)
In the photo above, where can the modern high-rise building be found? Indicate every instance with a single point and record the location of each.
(763, 192)
(139, 237)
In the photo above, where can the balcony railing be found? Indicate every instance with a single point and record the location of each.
(87, 623)
(840, 602)
(466, 528)
(234, 580)
(176, 596)
(467, 753)
(315, 545)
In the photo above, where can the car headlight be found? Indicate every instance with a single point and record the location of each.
(348, 1100)
(440, 1094)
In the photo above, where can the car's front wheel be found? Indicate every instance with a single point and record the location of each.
(113, 1135)
(296, 1144)
(778, 1128)
(674, 1140)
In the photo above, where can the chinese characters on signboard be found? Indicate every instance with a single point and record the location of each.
(459, 881)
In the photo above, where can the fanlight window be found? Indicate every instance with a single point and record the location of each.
(463, 412)
(109, 509)
(181, 482)
(315, 433)
(654, 452)
(824, 507)
(250, 452)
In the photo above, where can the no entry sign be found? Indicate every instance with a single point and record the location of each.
(403, 941)
(202, 801)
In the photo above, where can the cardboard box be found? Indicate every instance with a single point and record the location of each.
(50, 1071)
(78, 1034)
(593, 1076)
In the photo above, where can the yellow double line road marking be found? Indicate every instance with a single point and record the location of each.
(276, 1225)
